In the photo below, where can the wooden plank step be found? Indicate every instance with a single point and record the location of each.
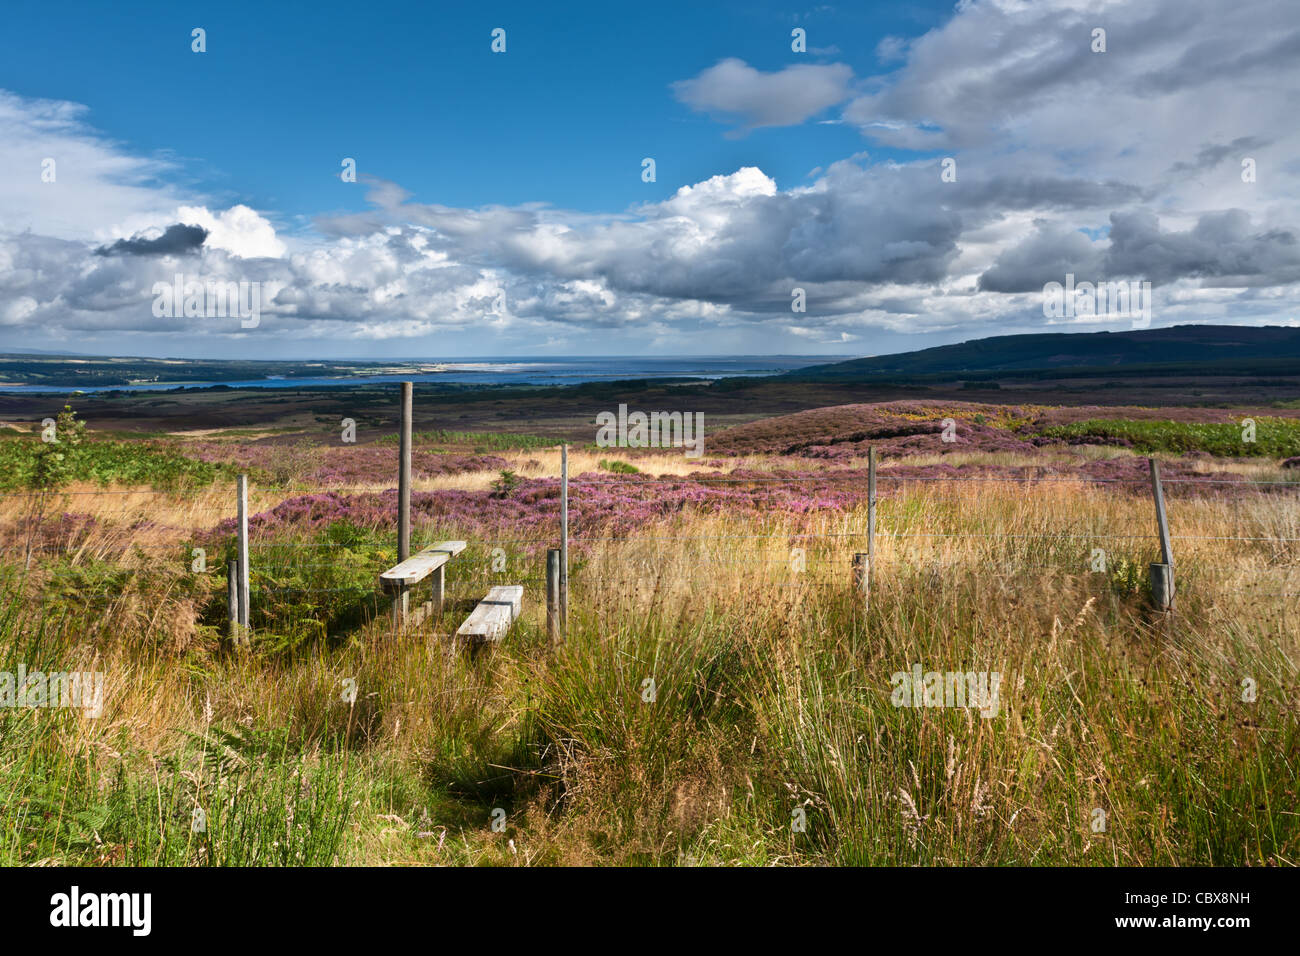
(494, 614)
(419, 566)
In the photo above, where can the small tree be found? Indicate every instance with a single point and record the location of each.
(54, 458)
(504, 486)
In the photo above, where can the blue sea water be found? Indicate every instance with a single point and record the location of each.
(511, 371)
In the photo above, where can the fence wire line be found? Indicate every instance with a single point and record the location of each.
(483, 572)
(184, 547)
(810, 581)
(633, 481)
(578, 484)
(380, 596)
(861, 476)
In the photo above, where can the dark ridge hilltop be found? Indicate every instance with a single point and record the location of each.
(1209, 349)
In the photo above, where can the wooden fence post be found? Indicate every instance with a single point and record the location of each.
(1162, 586)
(438, 589)
(232, 598)
(871, 508)
(553, 594)
(564, 541)
(862, 577)
(401, 602)
(1162, 574)
(244, 601)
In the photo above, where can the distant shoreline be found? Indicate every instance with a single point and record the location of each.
(45, 375)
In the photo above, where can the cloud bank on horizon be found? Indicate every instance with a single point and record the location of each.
(1118, 165)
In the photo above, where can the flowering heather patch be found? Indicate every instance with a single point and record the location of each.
(914, 428)
(843, 431)
(1127, 475)
(52, 533)
(607, 505)
(600, 505)
(339, 464)
(924, 438)
(364, 464)
(248, 456)
(479, 513)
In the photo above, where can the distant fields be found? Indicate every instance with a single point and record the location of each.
(1269, 438)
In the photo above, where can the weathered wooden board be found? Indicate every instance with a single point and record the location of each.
(419, 566)
(494, 614)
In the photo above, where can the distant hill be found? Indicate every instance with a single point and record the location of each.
(1222, 349)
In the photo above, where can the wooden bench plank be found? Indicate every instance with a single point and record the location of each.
(419, 566)
(494, 614)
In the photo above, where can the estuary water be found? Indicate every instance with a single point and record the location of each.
(508, 371)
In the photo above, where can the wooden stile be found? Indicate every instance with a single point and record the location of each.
(490, 621)
(428, 563)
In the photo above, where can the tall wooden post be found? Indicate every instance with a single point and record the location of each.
(244, 602)
(871, 507)
(401, 602)
(553, 594)
(564, 541)
(1162, 574)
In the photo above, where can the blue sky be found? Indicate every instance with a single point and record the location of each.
(413, 92)
(501, 207)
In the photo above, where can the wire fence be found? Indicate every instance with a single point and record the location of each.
(281, 567)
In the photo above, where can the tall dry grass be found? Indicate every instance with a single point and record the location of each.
(771, 694)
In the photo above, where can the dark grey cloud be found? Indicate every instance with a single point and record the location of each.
(787, 97)
(732, 240)
(1224, 247)
(1002, 70)
(1011, 193)
(1213, 59)
(1212, 155)
(177, 239)
(1048, 255)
